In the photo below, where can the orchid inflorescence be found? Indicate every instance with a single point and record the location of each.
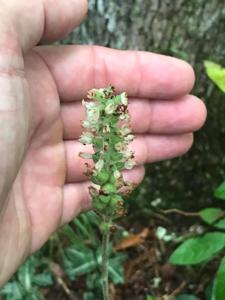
(108, 130)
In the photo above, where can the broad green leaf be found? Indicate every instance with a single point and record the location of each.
(117, 275)
(200, 249)
(216, 73)
(210, 215)
(219, 283)
(25, 273)
(43, 279)
(220, 191)
(220, 224)
(151, 298)
(82, 269)
(116, 270)
(14, 289)
(208, 291)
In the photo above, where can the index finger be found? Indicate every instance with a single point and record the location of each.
(77, 69)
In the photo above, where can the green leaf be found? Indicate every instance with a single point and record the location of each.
(186, 297)
(89, 296)
(43, 280)
(79, 260)
(116, 270)
(216, 73)
(220, 224)
(14, 289)
(220, 192)
(210, 215)
(151, 298)
(197, 250)
(82, 269)
(219, 283)
(25, 273)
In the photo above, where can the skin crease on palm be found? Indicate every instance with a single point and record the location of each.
(42, 185)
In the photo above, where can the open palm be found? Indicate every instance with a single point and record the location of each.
(42, 184)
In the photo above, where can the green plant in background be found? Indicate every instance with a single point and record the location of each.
(110, 139)
(205, 247)
(75, 250)
(83, 255)
(216, 73)
(26, 283)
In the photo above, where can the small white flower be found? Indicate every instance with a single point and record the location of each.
(86, 138)
(85, 155)
(128, 154)
(129, 138)
(123, 98)
(117, 174)
(124, 130)
(124, 117)
(120, 146)
(93, 114)
(99, 165)
(88, 105)
(86, 124)
(110, 108)
(129, 164)
(106, 128)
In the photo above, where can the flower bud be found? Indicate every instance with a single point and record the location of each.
(105, 227)
(109, 188)
(104, 199)
(115, 199)
(100, 178)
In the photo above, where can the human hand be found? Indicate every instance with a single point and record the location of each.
(42, 185)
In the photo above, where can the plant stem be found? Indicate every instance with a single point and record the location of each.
(105, 262)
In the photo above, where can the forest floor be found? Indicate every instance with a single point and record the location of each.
(147, 271)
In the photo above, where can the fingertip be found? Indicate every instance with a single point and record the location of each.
(188, 140)
(199, 115)
(61, 17)
(183, 78)
(136, 175)
(190, 76)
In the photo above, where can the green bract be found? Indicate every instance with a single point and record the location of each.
(107, 129)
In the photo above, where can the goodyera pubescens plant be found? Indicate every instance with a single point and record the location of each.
(107, 129)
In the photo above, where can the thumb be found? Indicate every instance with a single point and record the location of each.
(23, 24)
(29, 22)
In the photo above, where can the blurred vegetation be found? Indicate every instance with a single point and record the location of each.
(192, 30)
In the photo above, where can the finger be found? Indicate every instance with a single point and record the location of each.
(77, 198)
(77, 69)
(148, 149)
(187, 114)
(32, 21)
(181, 116)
